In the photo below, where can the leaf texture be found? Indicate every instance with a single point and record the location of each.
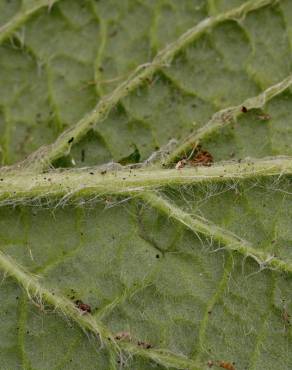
(113, 254)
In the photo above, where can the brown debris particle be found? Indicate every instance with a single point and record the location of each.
(202, 158)
(227, 365)
(83, 306)
(144, 344)
(123, 335)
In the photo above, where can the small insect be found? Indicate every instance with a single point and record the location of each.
(243, 109)
(202, 158)
(227, 365)
(180, 164)
(123, 335)
(83, 306)
(264, 117)
(144, 344)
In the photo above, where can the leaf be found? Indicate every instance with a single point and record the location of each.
(108, 263)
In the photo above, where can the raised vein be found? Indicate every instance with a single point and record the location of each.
(47, 154)
(92, 182)
(39, 294)
(225, 238)
(21, 17)
(224, 117)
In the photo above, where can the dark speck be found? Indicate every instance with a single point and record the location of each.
(113, 33)
(70, 140)
(82, 155)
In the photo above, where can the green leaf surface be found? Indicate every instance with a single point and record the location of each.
(118, 248)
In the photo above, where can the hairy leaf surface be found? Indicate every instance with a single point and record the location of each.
(105, 108)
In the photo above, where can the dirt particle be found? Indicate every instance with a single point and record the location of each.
(202, 158)
(123, 335)
(227, 365)
(83, 306)
(199, 157)
(144, 345)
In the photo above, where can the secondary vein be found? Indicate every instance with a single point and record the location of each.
(225, 117)
(40, 294)
(224, 237)
(21, 17)
(42, 158)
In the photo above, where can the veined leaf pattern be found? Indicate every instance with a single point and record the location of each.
(113, 255)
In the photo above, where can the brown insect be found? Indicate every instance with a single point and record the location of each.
(243, 109)
(85, 308)
(226, 365)
(144, 344)
(202, 158)
(123, 335)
